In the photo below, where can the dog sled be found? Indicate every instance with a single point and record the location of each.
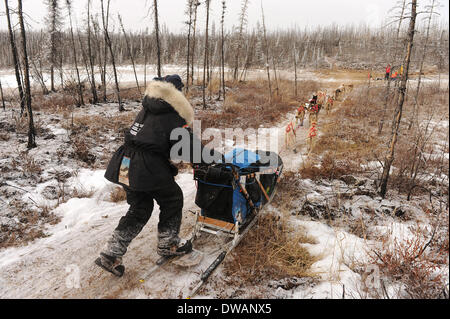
(230, 196)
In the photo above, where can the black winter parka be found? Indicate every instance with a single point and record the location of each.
(148, 144)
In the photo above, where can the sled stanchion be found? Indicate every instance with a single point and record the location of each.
(243, 190)
(263, 190)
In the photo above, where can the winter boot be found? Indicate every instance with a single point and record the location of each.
(178, 247)
(111, 264)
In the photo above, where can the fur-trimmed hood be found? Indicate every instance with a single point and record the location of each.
(167, 92)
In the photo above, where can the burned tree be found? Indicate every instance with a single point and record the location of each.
(105, 20)
(2, 97)
(90, 55)
(396, 50)
(206, 53)
(131, 53)
(240, 37)
(189, 12)
(158, 42)
(399, 108)
(15, 57)
(424, 53)
(222, 49)
(100, 61)
(31, 130)
(266, 52)
(54, 25)
(80, 100)
(194, 29)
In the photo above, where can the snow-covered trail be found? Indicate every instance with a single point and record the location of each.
(48, 268)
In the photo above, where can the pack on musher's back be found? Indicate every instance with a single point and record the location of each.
(218, 195)
(124, 171)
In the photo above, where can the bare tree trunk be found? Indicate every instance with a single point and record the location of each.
(54, 25)
(266, 46)
(15, 56)
(158, 43)
(91, 56)
(196, 5)
(238, 46)
(38, 76)
(188, 53)
(399, 109)
(295, 71)
(388, 85)
(101, 63)
(419, 80)
(277, 89)
(1, 95)
(222, 53)
(206, 53)
(61, 72)
(248, 57)
(85, 58)
(74, 52)
(105, 20)
(31, 130)
(131, 53)
(145, 68)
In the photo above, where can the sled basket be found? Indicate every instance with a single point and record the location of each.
(221, 187)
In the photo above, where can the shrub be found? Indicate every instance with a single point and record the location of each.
(409, 263)
(272, 250)
(117, 194)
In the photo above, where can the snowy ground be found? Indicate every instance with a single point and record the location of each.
(61, 264)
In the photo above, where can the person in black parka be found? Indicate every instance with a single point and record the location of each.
(143, 167)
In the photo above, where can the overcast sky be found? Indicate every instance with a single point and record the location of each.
(281, 14)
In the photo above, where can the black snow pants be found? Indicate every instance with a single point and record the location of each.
(170, 201)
